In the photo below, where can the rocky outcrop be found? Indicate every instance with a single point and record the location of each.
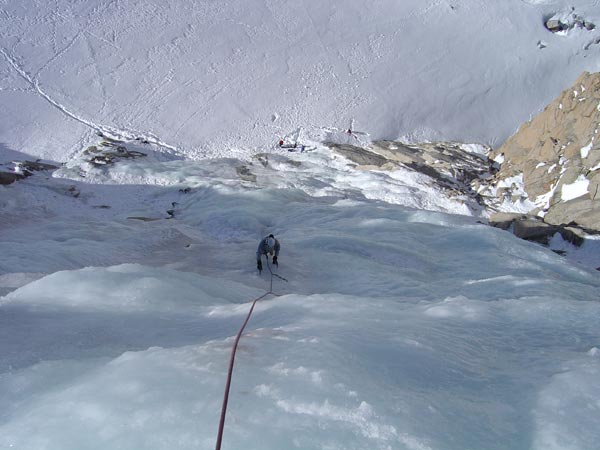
(245, 174)
(558, 156)
(108, 152)
(10, 177)
(533, 228)
(457, 169)
(557, 24)
(23, 169)
(452, 167)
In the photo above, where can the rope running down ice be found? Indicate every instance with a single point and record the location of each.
(232, 359)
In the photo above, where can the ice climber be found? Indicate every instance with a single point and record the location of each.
(268, 246)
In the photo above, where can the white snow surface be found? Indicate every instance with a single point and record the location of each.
(207, 78)
(585, 151)
(516, 199)
(576, 189)
(398, 328)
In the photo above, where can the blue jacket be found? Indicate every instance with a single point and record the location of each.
(264, 249)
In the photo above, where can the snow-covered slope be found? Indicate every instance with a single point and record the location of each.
(231, 76)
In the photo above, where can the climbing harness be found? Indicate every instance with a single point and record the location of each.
(232, 358)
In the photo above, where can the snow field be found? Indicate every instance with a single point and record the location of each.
(212, 80)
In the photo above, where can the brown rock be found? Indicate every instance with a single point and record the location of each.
(555, 148)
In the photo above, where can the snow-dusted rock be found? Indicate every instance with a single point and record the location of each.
(558, 155)
(562, 23)
(22, 169)
(555, 25)
(456, 168)
(532, 228)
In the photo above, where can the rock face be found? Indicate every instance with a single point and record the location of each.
(23, 169)
(108, 152)
(558, 155)
(535, 229)
(455, 170)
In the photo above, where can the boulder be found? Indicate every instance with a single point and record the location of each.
(533, 229)
(555, 25)
(10, 177)
(565, 23)
(504, 220)
(573, 235)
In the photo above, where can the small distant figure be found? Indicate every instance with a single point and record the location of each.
(268, 246)
(351, 133)
(295, 147)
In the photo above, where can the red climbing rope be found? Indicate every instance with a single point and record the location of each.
(232, 359)
(230, 372)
